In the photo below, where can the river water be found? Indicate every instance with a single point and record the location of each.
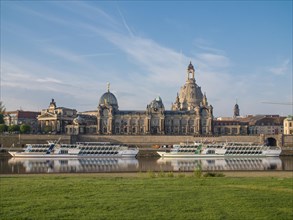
(101, 165)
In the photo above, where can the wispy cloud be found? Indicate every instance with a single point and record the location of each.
(153, 58)
(72, 56)
(48, 80)
(97, 54)
(146, 68)
(23, 78)
(280, 69)
(213, 60)
(93, 12)
(125, 23)
(206, 46)
(14, 75)
(162, 69)
(42, 15)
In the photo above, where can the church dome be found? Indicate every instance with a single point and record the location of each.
(108, 98)
(190, 95)
(157, 103)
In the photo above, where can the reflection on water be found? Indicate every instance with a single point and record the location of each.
(269, 163)
(80, 165)
(87, 165)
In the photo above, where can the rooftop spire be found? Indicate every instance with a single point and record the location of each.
(108, 86)
(190, 73)
(190, 66)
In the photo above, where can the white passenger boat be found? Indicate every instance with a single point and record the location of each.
(199, 150)
(80, 149)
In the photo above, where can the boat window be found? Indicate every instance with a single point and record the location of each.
(210, 152)
(63, 151)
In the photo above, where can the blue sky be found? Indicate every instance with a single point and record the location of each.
(69, 50)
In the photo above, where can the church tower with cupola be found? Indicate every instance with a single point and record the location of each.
(236, 110)
(190, 73)
(107, 107)
(190, 94)
(191, 100)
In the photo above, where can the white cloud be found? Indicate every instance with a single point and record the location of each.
(160, 64)
(281, 69)
(48, 80)
(213, 60)
(206, 46)
(48, 17)
(150, 69)
(125, 23)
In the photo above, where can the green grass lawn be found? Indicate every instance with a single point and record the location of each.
(143, 197)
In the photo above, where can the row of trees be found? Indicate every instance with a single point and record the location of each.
(24, 129)
(2, 111)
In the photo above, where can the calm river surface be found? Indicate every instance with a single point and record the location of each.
(96, 165)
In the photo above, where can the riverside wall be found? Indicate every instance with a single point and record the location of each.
(16, 140)
(285, 141)
(288, 141)
(149, 140)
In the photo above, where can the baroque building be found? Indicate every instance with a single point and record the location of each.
(55, 119)
(189, 115)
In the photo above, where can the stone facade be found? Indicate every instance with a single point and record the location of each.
(288, 125)
(55, 119)
(230, 127)
(189, 115)
(83, 124)
(264, 124)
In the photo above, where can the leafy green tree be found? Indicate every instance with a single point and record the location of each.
(24, 129)
(2, 108)
(1, 118)
(3, 128)
(2, 111)
(13, 128)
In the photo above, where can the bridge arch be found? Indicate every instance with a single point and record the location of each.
(271, 141)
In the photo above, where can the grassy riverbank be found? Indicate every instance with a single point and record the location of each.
(144, 196)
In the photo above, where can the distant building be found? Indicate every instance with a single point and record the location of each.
(230, 126)
(190, 115)
(55, 119)
(236, 110)
(264, 124)
(83, 124)
(252, 124)
(288, 125)
(20, 117)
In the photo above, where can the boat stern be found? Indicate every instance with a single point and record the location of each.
(12, 153)
(161, 153)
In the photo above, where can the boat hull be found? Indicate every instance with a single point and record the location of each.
(176, 155)
(129, 154)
